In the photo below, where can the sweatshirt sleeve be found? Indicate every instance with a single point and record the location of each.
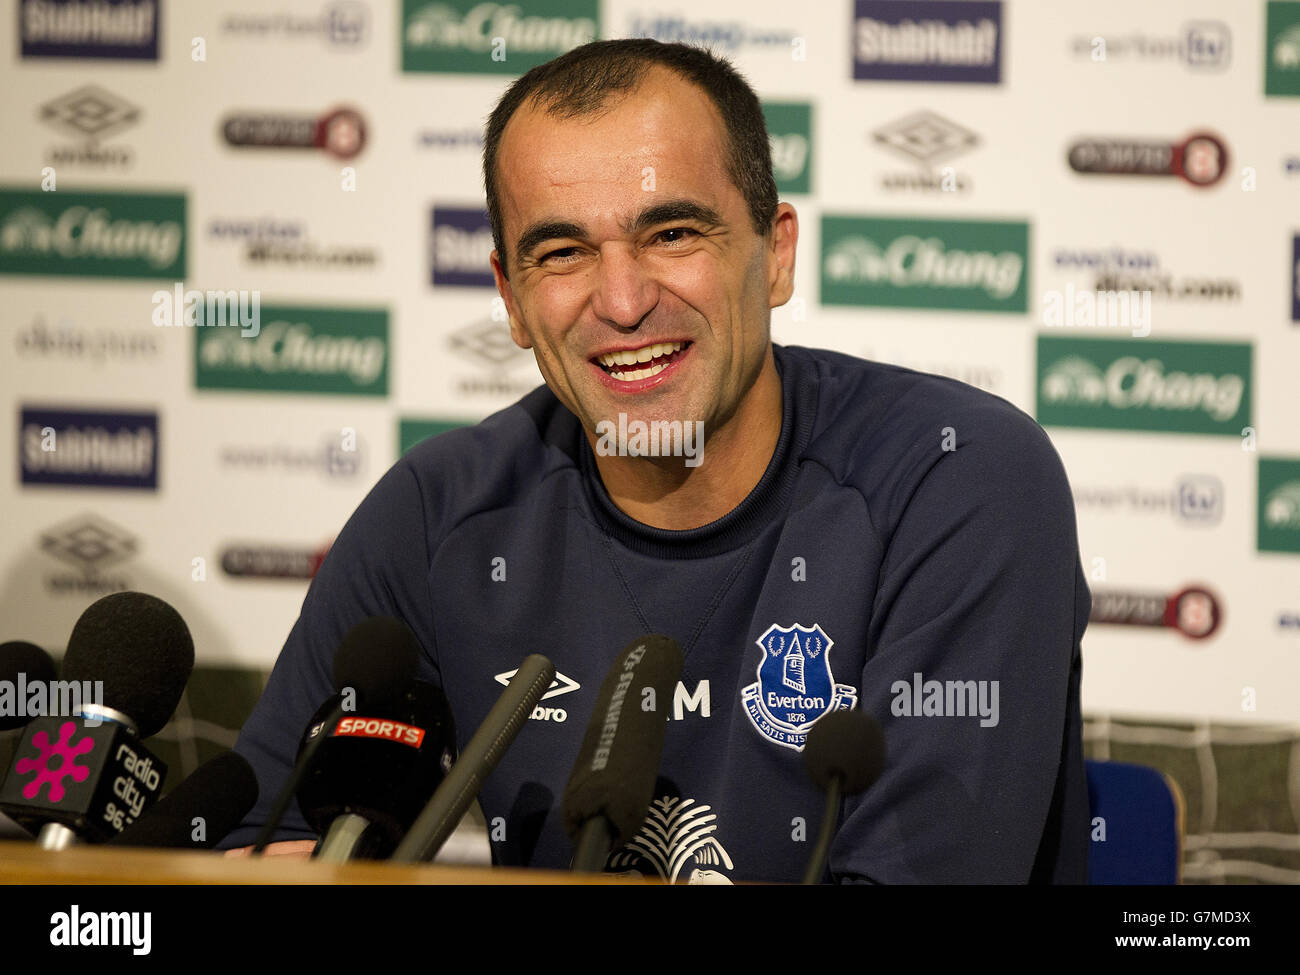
(378, 566)
(972, 665)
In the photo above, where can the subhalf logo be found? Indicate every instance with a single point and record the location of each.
(1194, 611)
(1201, 159)
(89, 448)
(57, 760)
(795, 686)
(461, 245)
(1295, 278)
(677, 834)
(125, 29)
(927, 40)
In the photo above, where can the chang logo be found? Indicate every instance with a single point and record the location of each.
(439, 25)
(27, 229)
(301, 350)
(436, 25)
(789, 156)
(909, 261)
(1131, 383)
(92, 234)
(1282, 506)
(1286, 49)
(1074, 380)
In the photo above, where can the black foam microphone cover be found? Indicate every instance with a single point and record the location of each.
(378, 659)
(381, 763)
(140, 648)
(614, 775)
(18, 657)
(219, 794)
(848, 744)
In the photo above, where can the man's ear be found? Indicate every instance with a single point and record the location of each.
(512, 310)
(780, 255)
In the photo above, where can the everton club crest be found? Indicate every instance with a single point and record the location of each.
(795, 686)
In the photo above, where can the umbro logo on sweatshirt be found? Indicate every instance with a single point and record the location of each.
(560, 685)
(684, 702)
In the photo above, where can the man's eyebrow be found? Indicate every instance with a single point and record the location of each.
(548, 230)
(671, 210)
(666, 212)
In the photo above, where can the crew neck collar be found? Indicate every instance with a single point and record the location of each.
(768, 499)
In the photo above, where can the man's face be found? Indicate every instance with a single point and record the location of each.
(627, 238)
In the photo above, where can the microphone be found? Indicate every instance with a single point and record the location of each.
(23, 665)
(613, 778)
(137, 654)
(844, 754)
(374, 771)
(375, 663)
(199, 812)
(481, 755)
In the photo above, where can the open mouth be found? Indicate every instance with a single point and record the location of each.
(630, 365)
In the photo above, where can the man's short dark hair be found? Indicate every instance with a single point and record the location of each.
(580, 82)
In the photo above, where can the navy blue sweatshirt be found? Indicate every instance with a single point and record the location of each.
(911, 550)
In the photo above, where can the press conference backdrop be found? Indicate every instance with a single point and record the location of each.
(1092, 210)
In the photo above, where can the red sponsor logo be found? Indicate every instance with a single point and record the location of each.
(406, 734)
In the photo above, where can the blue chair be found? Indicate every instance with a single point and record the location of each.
(1141, 812)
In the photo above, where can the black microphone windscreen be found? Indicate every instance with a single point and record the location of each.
(140, 648)
(849, 744)
(618, 762)
(377, 658)
(381, 762)
(199, 812)
(20, 657)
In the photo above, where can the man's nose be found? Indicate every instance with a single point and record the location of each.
(623, 292)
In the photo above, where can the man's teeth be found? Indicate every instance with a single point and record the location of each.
(631, 357)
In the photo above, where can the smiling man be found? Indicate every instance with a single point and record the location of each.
(638, 272)
(853, 534)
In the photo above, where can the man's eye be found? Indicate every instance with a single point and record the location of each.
(681, 234)
(562, 253)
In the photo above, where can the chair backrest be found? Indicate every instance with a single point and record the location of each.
(1137, 825)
